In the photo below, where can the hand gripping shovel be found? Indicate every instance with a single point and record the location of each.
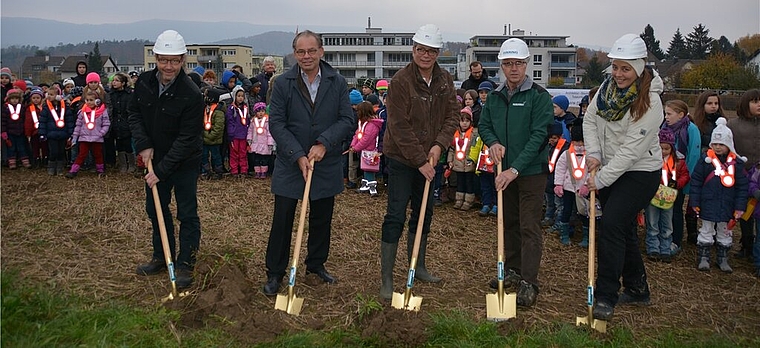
(500, 306)
(164, 241)
(596, 324)
(407, 300)
(290, 303)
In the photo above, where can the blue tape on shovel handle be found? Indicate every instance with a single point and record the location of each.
(500, 270)
(590, 297)
(292, 276)
(410, 279)
(170, 267)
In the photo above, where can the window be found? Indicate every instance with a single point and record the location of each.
(371, 57)
(348, 73)
(151, 66)
(150, 51)
(371, 73)
(329, 57)
(347, 57)
(228, 52)
(406, 41)
(192, 52)
(538, 59)
(400, 57)
(537, 75)
(192, 65)
(229, 65)
(388, 41)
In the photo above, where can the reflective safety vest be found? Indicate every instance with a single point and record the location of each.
(555, 154)
(726, 173)
(460, 144)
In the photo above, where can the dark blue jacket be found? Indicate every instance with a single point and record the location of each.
(48, 127)
(716, 202)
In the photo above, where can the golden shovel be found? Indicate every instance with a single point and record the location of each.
(500, 306)
(290, 303)
(164, 241)
(596, 324)
(407, 300)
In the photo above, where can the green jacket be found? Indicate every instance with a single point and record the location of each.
(215, 135)
(521, 126)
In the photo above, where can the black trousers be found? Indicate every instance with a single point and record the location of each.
(618, 250)
(185, 186)
(318, 245)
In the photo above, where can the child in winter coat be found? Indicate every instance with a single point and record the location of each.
(31, 127)
(754, 193)
(91, 126)
(366, 138)
(260, 141)
(57, 123)
(718, 194)
(214, 120)
(553, 203)
(13, 129)
(562, 116)
(460, 161)
(237, 131)
(120, 96)
(675, 174)
(570, 178)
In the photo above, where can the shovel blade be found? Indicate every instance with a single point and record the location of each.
(596, 324)
(413, 304)
(505, 310)
(290, 305)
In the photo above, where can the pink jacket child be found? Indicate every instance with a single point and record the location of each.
(91, 127)
(260, 141)
(366, 139)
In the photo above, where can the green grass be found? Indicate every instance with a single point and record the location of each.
(34, 315)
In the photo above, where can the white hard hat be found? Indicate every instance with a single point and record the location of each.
(170, 42)
(629, 46)
(513, 48)
(429, 35)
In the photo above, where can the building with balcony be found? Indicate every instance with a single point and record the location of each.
(371, 54)
(551, 57)
(258, 63)
(215, 57)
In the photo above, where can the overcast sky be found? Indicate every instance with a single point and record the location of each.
(587, 22)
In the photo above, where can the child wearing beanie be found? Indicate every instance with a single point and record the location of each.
(659, 217)
(570, 184)
(93, 84)
(562, 116)
(13, 129)
(553, 203)
(460, 161)
(718, 194)
(260, 142)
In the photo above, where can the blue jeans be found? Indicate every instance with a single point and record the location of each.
(566, 210)
(216, 157)
(487, 189)
(405, 184)
(659, 230)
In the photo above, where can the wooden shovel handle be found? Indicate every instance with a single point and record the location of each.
(162, 230)
(421, 221)
(302, 217)
(591, 233)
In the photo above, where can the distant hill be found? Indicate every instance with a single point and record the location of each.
(272, 42)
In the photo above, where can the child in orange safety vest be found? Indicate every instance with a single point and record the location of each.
(461, 163)
(719, 190)
(553, 203)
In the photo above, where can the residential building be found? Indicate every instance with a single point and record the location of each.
(69, 67)
(754, 62)
(126, 67)
(215, 57)
(41, 68)
(371, 54)
(551, 57)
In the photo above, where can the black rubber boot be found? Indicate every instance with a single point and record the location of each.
(387, 261)
(636, 295)
(420, 271)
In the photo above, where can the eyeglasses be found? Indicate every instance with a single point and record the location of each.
(432, 52)
(173, 61)
(303, 53)
(518, 63)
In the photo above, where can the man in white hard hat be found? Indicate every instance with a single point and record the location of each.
(309, 116)
(423, 114)
(514, 124)
(166, 120)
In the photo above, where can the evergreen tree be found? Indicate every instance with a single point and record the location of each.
(653, 45)
(699, 42)
(677, 47)
(723, 46)
(95, 62)
(594, 73)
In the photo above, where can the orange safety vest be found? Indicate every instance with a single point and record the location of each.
(579, 169)
(555, 154)
(59, 120)
(726, 174)
(207, 116)
(461, 144)
(259, 124)
(15, 113)
(360, 129)
(668, 167)
(35, 118)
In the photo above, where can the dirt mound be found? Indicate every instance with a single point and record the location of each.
(397, 327)
(226, 300)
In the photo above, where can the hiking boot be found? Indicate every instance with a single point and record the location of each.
(363, 187)
(494, 211)
(511, 279)
(603, 311)
(484, 210)
(272, 287)
(372, 185)
(584, 241)
(628, 299)
(155, 266)
(184, 278)
(526, 294)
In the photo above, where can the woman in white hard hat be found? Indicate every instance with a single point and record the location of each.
(621, 137)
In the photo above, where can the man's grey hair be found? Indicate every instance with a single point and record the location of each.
(268, 59)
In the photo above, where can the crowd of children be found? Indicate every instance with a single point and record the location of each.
(62, 124)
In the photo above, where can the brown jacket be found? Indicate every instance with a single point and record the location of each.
(746, 137)
(419, 116)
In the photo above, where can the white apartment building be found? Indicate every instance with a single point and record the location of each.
(372, 54)
(550, 57)
(212, 56)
